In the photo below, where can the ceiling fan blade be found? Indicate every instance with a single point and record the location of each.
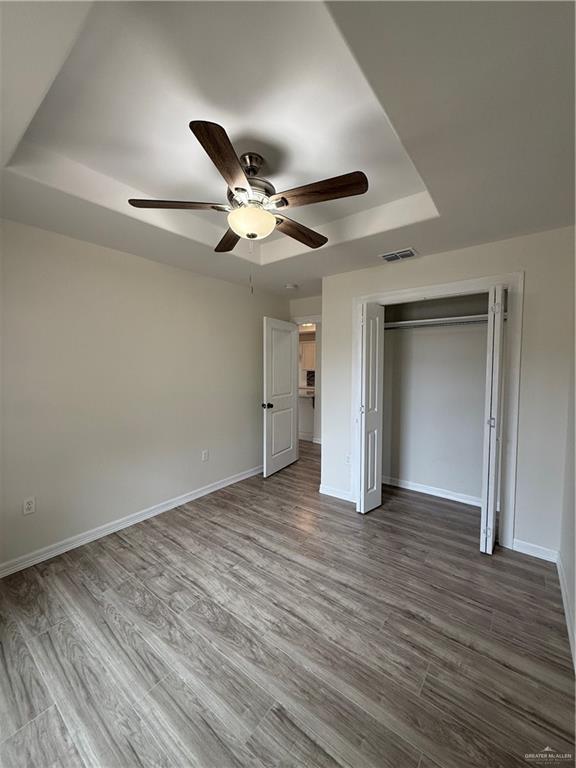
(139, 203)
(228, 242)
(347, 185)
(216, 144)
(300, 232)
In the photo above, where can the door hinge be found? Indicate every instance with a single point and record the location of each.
(362, 409)
(496, 308)
(491, 422)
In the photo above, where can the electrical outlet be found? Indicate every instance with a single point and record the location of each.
(205, 454)
(29, 506)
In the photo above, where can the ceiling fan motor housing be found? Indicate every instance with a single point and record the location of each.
(262, 190)
(252, 162)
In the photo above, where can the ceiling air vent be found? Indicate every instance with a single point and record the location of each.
(405, 253)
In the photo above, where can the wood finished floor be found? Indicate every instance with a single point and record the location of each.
(266, 625)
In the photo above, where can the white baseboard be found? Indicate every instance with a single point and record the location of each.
(306, 436)
(431, 490)
(39, 555)
(337, 493)
(568, 601)
(536, 551)
(317, 440)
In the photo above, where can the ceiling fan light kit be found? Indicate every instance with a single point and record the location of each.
(252, 222)
(254, 207)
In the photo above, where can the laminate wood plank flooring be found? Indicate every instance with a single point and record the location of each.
(23, 694)
(43, 742)
(268, 626)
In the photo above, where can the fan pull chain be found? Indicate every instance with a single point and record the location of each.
(251, 248)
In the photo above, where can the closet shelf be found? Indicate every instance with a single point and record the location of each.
(433, 321)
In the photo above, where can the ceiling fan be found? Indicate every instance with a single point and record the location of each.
(254, 207)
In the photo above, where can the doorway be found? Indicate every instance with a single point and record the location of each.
(308, 368)
(494, 444)
(291, 389)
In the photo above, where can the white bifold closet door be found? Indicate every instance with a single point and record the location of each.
(280, 401)
(493, 419)
(371, 408)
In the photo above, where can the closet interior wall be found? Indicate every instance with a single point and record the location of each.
(434, 386)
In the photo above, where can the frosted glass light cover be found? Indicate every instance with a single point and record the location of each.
(251, 222)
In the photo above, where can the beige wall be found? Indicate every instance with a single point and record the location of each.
(548, 338)
(434, 385)
(311, 305)
(118, 372)
(2, 526)
(567, 534)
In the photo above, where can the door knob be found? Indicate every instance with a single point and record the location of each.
(267, 405)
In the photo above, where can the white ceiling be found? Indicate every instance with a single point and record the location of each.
(461, 114)
(141, 71)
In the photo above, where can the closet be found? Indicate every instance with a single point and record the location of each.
(434, 395)
(431, 394)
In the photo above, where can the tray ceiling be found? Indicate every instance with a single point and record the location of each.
(406, 94)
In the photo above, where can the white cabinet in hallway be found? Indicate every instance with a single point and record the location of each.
(306, 417)
(308, 355)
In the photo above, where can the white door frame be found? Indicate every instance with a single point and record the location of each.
(316, 319)
(514, 283)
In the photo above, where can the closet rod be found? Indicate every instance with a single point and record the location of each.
(462, 320)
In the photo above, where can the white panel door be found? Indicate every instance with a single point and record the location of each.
(370, 495)
(492, 421)
(280, 402)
